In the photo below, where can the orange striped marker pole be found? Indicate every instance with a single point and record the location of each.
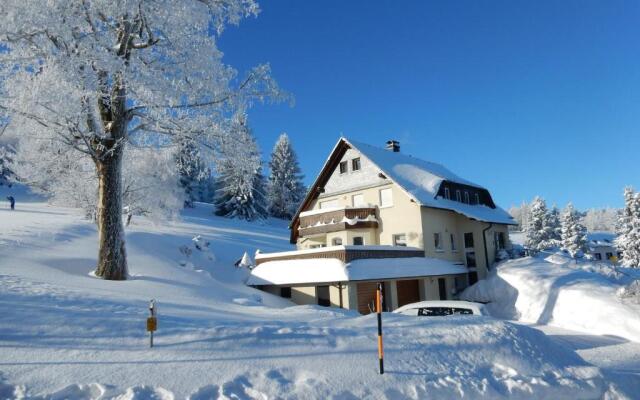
(379, 312)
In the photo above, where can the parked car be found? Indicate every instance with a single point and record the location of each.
(442, 308)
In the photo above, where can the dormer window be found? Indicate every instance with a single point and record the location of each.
(466, 197)
(343, 167)
(477, 198)
(458, 196)
(447, 193)
(355, 164)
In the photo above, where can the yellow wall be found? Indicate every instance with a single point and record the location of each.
(304, 295)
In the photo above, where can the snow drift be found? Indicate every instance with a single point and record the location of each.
(556, 291)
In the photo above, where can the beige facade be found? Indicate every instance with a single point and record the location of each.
(354, 202)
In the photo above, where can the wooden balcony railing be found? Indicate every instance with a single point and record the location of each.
(343, 253)
(338, 220)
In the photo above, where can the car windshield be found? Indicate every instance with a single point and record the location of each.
(442, 311)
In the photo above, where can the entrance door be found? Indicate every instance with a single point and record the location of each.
(322, 293)
(408, 292)
(442, 288)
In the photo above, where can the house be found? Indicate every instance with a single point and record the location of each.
(602, 246)
(378, 215)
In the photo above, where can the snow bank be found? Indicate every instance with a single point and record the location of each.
(580, 297)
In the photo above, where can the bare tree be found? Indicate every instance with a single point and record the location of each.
(94, 75)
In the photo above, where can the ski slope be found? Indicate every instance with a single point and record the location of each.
(65, 334)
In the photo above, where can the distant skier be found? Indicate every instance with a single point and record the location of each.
(12, 202)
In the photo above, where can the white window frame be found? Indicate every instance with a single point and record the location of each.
(437, 241)
(353, 200)
(458, 196)
(346, 164)
(403, 240)
(353, 162)
(447, 193)
(466, 197)
(477, 197)
(390, 191)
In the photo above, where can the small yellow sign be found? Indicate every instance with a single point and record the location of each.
(613, 259)
(152, 324)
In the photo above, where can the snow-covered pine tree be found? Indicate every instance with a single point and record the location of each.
(539, 234)
(574, 234)
(628, 240)
(147, 70)
(192, 170)
(240, 191)
(555, 225)
(285, 189)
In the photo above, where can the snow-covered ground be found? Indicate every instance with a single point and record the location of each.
(67, 335)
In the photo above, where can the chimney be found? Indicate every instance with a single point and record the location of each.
(393, 145)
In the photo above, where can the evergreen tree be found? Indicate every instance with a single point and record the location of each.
(539, 233)
(285, 188)
(554, 224)
(192, 171)
(574, 234)
(240, 187)
(628, 240)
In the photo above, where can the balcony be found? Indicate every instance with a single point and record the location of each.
(334, 220)
(345, 254)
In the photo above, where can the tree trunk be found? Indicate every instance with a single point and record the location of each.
(112, 257)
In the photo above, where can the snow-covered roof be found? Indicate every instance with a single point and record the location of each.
(601, 239)
(327, 270)
(422, 179)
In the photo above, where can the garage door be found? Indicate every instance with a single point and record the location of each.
(366, 297)
(408, 291)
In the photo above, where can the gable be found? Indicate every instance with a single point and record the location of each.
(367, 175)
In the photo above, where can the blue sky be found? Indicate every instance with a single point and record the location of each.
(524, 98)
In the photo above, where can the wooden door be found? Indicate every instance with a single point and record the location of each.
(366, 297)
(408, 291)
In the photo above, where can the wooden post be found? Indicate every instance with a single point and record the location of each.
(152, 321)
(379, 312)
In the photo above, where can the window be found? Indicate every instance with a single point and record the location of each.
(336, 241)
(458, 196)
(386, 197)
(357, 200)
(355, 164)
(473, 277)
(470, 258)
(498, 238)
(447, 193)
(597, 256)
(285, 292)
(442, 288)
(619, 255)
(358, 241)
(400, 240)
(476, 197)
(466, 197)
(329, 204)
(437, 241)
(609, 255)
(453, 242)
(468, 240)
(343, 167)
(317, 246)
